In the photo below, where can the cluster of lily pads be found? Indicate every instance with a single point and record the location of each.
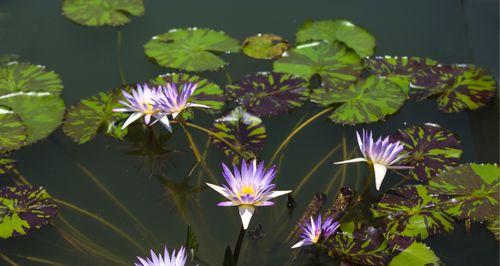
(355, 87)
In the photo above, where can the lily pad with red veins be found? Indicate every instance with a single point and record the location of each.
(459, 87)
(243, 130)
(24, 209)
(269, 93)
(471, 191)
(430, 149)
(411, 211)
(264, 46)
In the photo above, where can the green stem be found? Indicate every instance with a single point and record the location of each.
(39, 260)
(196, 151)
(8, 260)
(239, 242)
(119, 56)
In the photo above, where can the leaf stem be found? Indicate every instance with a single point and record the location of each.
(39, 260)
(196, 151)
(119, 56)
(8, 260)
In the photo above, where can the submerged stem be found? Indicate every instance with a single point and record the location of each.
(39, 260)
(119, 54)
(239, 242)
(8, 260)
(196, 151)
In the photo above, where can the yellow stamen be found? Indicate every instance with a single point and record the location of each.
(247, 190)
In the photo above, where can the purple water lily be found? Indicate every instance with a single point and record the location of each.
(382, 154)
(249, 188)
(178, 259)
(317, 231)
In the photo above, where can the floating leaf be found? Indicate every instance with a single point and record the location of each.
(337, 66)
(494, 227)
(191, 240)
(472, 190)
(412, 212)
(402, 70)
(12, 131)
(358, 243)
(206, 93)
(84, 119)
(269, 93)
(354, 37)
(191, 49)
(417, 254)
(460, 87)
(430, 149)
(24, 209)
(243, 130)
(368, 100)
(102, 12)
(264, 46)
(6, 163)
(32, 92)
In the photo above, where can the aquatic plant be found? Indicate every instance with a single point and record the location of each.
(167, 259)
(316, 231)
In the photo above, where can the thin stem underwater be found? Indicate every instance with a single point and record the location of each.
(119, 56)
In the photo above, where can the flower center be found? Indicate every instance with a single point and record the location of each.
(247, 190)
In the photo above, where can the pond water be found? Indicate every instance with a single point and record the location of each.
(87, 59)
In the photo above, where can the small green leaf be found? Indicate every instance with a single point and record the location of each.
(191, 49)
(265, 46)
(102, 12)
(191, 240)
(417, 254)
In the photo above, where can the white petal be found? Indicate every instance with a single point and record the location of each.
(380, 171)
(121, 110)
(165, 122)
(246, 212)
(277, 193)
(131, 119)
(355, 160)
(175, 114)
(198, 105)
(219, 189)
(298, 244)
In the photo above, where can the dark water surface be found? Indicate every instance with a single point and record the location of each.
(450, 31)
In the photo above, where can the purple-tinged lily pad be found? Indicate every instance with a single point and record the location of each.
(6, 163)
(460, 87)
(265, 46)
(243, 130)
(411, 211)
(472, 191)
(24, 209)
(494, 227)
(269, 93)
(417, 254)
(430, 149)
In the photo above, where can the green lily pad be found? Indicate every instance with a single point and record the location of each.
(402, 70)
(102, 12)
(459, 87)
(24, 209)
(365, 101)
(472, 191)
(411, 211)
(243, 130)
(417, 254)
(430, 149)
(6, 163)
(354, 37)
(336, 65)
(32, 92)
(265, 46)
(12, 131)
(84, 119)
(191, 49)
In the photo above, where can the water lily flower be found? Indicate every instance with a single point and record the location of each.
(317, 231)
(141, 102)
(382, 154)
(178, 259)
(249, 188)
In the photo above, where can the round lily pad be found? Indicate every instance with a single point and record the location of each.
(264, 46)
(459, 87)
(102, 12)
(32, 92)
(243, 130)
(24, 209)
(336, 65)
(472, 190)
(365, 101)
(12, 131)
(430, 149)
(401, 70)
(84, 119)
(269, 93)
(417, 254)
(191, 49)
(411, 211)
(354, 37)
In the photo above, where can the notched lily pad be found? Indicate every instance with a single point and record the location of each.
(430, 149)
(84, 119)
(336, 65)
(472, 191)
(102, 12)
(269, 93)
(264, 46)
(368, 100)
(32, 92)
(13, 133)
(191, 49)
(243, 130)
(494, 227)
(24, 209)
(417, 254)
(459, 87)
(411, 211)
(354, 37)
